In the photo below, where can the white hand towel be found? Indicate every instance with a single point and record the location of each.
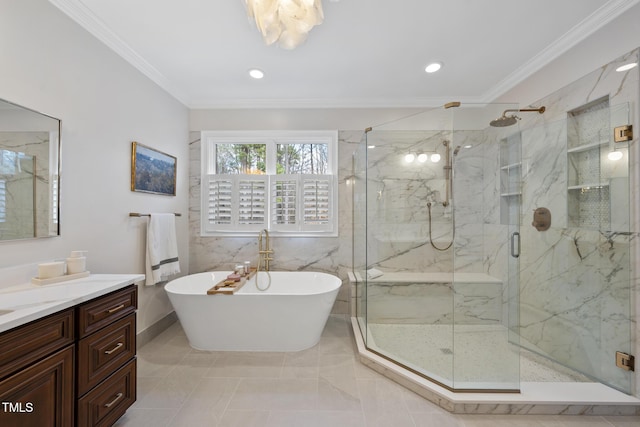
(162, 248)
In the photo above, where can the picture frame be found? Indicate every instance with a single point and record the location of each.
(152, 171)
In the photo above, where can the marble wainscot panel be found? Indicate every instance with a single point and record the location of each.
(577, 280)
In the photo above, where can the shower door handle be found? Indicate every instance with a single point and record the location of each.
(515, 248)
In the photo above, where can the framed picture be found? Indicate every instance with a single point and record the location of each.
(152, 171)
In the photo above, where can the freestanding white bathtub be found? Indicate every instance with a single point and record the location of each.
(289, 316)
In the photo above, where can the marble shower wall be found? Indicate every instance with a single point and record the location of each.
(397, 196)
(577, 280)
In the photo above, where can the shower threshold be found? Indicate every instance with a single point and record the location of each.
(541, 398)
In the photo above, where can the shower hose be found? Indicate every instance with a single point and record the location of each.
(258, 273)
(453, 224)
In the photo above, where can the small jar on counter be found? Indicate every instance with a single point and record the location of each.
(240, 269)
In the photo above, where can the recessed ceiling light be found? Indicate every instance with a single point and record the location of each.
(626, 67)
(256, 73)
(433, 67)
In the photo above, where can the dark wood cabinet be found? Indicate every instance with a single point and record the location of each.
(106, 350)
(37, 386)
(76, 367)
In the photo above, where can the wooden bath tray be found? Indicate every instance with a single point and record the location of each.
(225, 288)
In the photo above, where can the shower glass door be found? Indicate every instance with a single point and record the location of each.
(486, 209)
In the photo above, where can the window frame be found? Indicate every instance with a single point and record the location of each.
(271, 139)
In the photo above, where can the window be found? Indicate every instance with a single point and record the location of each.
(285, 182)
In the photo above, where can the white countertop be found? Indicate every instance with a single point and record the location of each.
(26, 302)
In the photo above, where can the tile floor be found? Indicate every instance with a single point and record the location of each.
(321, 386)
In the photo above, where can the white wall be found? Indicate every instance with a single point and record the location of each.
(50, 64)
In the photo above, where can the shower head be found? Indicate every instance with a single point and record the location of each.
(505, 120)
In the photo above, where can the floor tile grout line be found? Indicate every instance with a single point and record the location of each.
(233, 393)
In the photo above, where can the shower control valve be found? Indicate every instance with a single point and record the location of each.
(541, 219)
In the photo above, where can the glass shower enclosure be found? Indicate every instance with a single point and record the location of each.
(444, 250)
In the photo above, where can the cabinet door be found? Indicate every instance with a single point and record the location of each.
(40, 395)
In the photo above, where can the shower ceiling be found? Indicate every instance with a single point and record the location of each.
(366, 53)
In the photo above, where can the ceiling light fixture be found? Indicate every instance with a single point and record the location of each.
(433, 67)
(256, 73)
(626, 67)
(286, 22)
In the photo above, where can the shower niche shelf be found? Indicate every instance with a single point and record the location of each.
(510, 179)
(588, 188)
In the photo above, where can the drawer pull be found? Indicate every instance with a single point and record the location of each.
(117, 347)
(110, 404)
(114, 309)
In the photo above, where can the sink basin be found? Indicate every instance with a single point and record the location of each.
(5, 312)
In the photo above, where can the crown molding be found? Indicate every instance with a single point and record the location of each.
(354, 103)
(84, 17)
(598, 19)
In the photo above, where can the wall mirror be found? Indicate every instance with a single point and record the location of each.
(29, 173)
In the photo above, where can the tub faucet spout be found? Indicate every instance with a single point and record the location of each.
(264, 251)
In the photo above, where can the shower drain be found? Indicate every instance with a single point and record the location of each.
(446, 351)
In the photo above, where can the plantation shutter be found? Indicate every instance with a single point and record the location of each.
(316, 201)
(218, 204)
(285, 201)
(236, 203)
(252, 204)
(302, 203)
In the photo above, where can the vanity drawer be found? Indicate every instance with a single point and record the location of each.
(104, 310)
(26, 344)
(103, 405)
(105, 351)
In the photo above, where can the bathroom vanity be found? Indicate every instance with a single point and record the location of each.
(68, 351)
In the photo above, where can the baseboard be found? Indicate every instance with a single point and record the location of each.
(156, 329)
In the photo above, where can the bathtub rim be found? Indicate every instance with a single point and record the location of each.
(170, 287)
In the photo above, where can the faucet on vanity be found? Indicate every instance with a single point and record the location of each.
(264, 253)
